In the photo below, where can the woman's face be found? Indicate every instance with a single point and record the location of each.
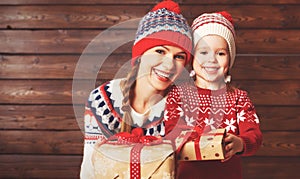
(211, 61)
(160, 66)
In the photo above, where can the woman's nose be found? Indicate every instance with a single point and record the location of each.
(168, 61)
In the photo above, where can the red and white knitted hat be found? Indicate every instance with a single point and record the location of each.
(163, 25)
(219, 23)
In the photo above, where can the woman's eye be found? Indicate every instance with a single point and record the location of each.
(160, 51)
(180, 57)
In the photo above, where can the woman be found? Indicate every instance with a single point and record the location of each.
(161, 49)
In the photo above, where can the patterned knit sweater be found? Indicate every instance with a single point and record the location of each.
(234, 111)
(103, 116)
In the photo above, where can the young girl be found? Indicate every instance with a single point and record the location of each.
(211, 102)
(161, 49)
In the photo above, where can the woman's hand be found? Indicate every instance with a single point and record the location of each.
(234, 144)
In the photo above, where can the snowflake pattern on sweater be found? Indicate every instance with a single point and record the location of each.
(200, 107)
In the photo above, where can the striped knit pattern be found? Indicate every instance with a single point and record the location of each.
(163, 25)
(212, 18)
(162, 20)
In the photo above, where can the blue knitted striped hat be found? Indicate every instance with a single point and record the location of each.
(163, 25)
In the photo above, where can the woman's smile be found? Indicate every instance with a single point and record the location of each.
(162, 75)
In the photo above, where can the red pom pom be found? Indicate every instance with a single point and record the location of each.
(226, 15)
(169, 5)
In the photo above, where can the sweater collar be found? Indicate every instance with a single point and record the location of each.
(117, 96)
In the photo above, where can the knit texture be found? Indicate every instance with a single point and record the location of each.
(233, 111)
(103, 116)
(163, 25)
(219, 23)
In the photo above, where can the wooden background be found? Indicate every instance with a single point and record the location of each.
(41, 43)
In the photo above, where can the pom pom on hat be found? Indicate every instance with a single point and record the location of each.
(169, 5)
(226, 15)
(163, 25)
(219, 23)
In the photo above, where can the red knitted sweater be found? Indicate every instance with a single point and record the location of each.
(234, 111)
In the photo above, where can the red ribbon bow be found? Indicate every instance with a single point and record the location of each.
(194, 134)
(139, 140)
(136, 136)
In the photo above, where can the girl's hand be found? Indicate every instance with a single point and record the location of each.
(234, 144)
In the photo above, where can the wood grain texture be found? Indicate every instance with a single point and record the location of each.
(71, 142)
(105, 16)
(41, 142)
(40, 117)
(47, 166)
(280, 144)
(44, 42)
(271, 167)
(60, 91)
(75, 41)
(279, 118)
(63, 67)
(44, 91)
(272, 67)
(142, 2)
(49, 117)
(271, 92)
(40, 166)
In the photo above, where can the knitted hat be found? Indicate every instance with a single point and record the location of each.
(219, 23)
(163, 25)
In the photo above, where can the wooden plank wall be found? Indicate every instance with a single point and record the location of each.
(42, 41)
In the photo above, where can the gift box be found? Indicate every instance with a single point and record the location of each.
(134, 160)
(202, 146)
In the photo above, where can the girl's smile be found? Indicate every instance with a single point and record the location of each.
(211, 62)
(210, 69)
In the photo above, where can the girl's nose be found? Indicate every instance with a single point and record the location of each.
(212, 57)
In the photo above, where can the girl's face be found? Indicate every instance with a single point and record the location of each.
(211, 61)
(160, 66)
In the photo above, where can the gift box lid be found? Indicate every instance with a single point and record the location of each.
(149, 153)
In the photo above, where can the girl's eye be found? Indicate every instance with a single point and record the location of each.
(203, 52)
(160, 51)
(222, 53)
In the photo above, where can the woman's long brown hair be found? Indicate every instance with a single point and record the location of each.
(127, 86)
